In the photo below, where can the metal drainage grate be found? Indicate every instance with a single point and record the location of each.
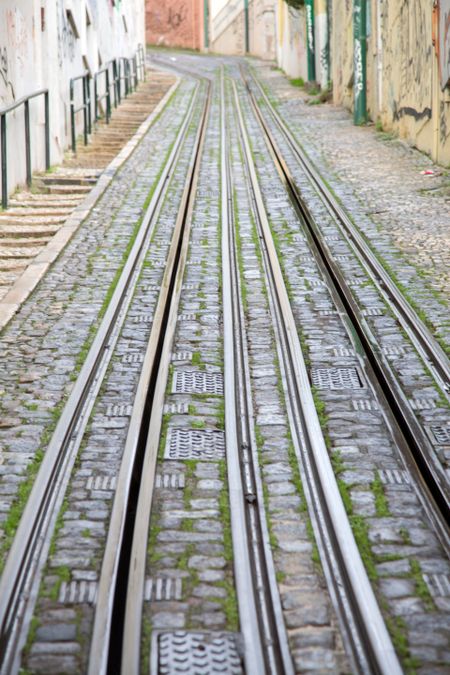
(438, 584)
(143, 318)
(162, 588)
(176, 408)
(194, 444)
(133, 358)
(364, 404)
(197, 382)
(422, 403)
(336, 378)
(77, 592)
(174, 481)
(119, 410)
(441, 434)
(101, 483)
(394, 477)
(182, 356)
(374, 311)
(201, 653)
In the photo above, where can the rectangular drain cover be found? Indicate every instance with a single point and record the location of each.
(441, 434)
(197, 382)
(185, 652)
(438, 584)
(394, 477)
(174, 481)
(162, 588)
(194, 444)
(78, 592)
(336, 378)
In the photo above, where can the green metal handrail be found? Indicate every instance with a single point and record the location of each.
(25, 100)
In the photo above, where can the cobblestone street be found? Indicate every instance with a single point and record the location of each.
(215, 412)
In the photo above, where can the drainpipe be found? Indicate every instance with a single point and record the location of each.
(206, 23)
(359, 61)
(310, 40)
(380, 56)
(247, 40)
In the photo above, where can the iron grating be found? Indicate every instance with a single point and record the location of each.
(174, 481)
(101, 483)
(119, 410)
(205, 653)
(176, 408)
(438, 584)
(441, 434)
(336, 378)
(133, 358)
(206, 444)
(364, 404)
(197, 382)
(78, 592)
(394, 477)
(158, 589)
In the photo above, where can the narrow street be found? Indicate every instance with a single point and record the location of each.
(224, 399)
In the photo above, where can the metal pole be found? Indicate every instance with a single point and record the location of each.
(108, 98)
(206, 23)
(247, 40)
(311, 52)
(72, 118)
(95, 98)
(88, 102)
(85, 114)
(47, 131)
(359, 59)
(27, 141)
(4, 162)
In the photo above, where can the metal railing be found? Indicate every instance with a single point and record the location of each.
(25, 101)
(85, 107)
(121, 77)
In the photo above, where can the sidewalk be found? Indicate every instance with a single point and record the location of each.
(404, 212)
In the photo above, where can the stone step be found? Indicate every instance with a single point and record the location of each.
(35, 199)
(7, 219)
(24, 242)
(22, 232)
(40, 210)
(67, 189)
(44, 181)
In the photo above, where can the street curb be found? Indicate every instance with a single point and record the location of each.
(35, 271)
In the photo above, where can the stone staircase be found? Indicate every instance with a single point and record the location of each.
(34, 216)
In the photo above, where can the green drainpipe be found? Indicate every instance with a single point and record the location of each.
(247, 40)
(310, 40)
(206, 22)
(359, 61)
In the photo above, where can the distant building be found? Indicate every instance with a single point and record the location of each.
(175, 23)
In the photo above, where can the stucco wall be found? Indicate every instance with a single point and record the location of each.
(175, 23)
(43, 43)
(228, 28)
(291, 40)
(404, 75)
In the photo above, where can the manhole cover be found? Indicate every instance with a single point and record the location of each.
(183, 652)
(336, 378)
(194, 444)
(197, 382)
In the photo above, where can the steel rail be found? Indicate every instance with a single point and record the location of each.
(260, 612)
(130, 554)
(417, 451)
(425, 343)
(357, 608)
(20, 578)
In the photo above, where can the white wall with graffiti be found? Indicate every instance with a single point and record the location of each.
(44, 43)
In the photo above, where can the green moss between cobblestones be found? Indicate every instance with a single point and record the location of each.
(381, 503)
(398, 631)
(421, 587)
(63, 574)
(229, 603)
(146, 638)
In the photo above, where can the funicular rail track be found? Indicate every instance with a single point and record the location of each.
(418, 452)
(367, 642)
(20, 580)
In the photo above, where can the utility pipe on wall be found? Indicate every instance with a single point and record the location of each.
(206, 23)
(360, 61)
(247, 40)
(310, 40)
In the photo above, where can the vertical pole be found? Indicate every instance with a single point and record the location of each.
(88, 101)
(206, 23)
(108, 98)
(311, 52)
(27, 142)
(4, 162)
(247, 37)
(359, 59)
(96, 97)
(85, 114)
(47, 130)
(72, 118)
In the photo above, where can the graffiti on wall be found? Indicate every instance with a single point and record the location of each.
(66, 37)
(444, 42)
(4, 75)
(177, 16)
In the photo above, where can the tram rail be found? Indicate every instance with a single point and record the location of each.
(418, 452)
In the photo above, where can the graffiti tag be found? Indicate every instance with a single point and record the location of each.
(175, 19)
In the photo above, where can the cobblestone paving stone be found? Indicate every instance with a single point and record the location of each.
(403, 214)
(419, 387)
(398, 546)
(40, 347)
(70, 583)
(314, 636)
(190, 538)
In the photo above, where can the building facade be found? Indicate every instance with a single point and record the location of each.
(175, 23)
(45, 43)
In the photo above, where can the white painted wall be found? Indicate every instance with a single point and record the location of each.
(39, 49)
